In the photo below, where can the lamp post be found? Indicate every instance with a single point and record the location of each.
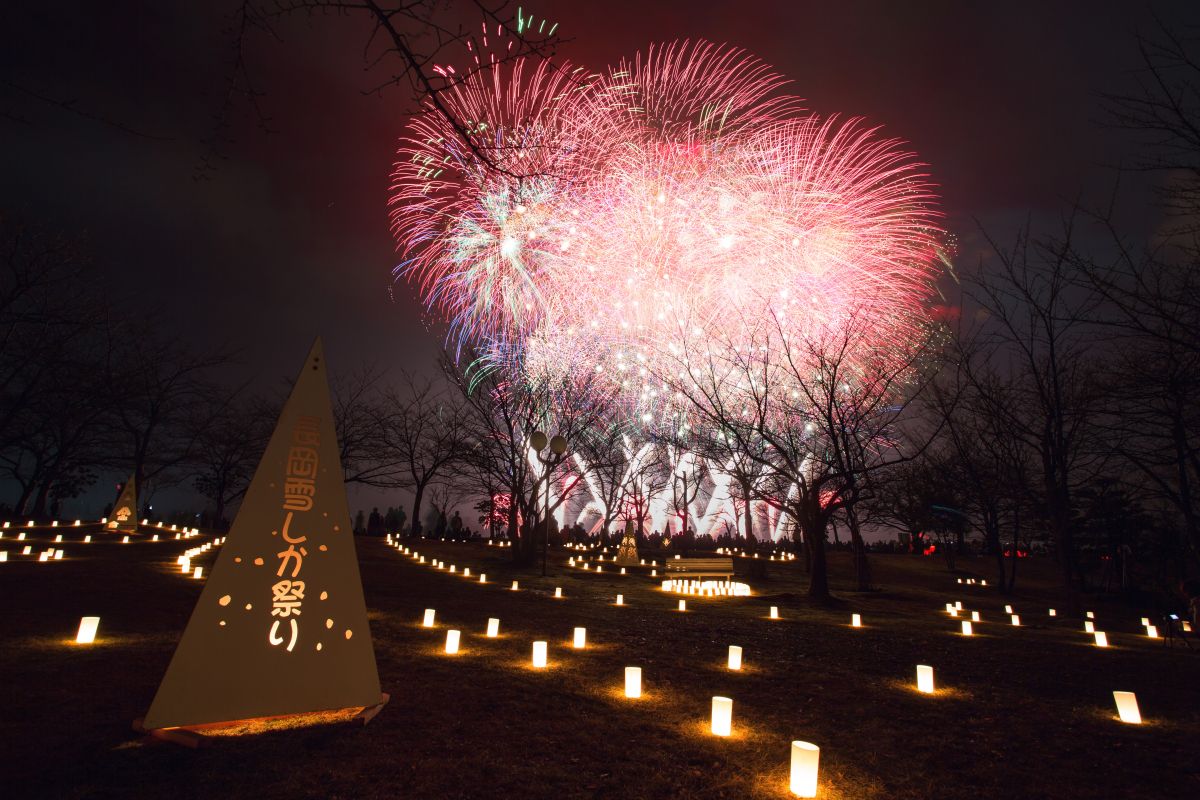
(558, 446)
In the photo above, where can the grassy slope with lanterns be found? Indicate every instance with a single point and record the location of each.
(1020, 713)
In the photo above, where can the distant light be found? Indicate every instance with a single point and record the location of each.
(966, 628)
(1127, 707)
(855, 621)
(924, 679)
(633, 681)
(87, 630)
(493, 628)
(722, 716)
(539, 655)
(430, 614)
(452, 637)
(805, 761)
(735, 657)
(774, 612)
(580, 640)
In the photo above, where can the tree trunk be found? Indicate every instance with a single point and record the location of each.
(418, 493)
(862, 568)
(814, 536)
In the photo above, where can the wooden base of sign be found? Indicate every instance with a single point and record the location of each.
(194, 736)
(368, 713)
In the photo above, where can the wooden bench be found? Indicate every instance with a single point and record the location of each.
(699, 567)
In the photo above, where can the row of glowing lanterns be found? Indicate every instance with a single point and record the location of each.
(184, 562)
(804, 755)
(53, 554)
(1089, 625)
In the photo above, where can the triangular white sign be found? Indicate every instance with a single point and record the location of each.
(281, 625)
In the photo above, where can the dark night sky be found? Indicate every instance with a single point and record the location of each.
(290, 238)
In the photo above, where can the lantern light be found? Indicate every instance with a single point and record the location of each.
(683, 605)
(580, 640)
(3, 555)
(515, 586)
(774, 612)
(966, 628)
(735, 657)
(539, 655)
(633, 681)
(1152, 631)
(125, 540)
(722, 716)
(975, 616)
(1127, 707)
(558, 592)
(1091, 615)
(1145, 622)
(1016, 620)
(452, 637)
(620, 599)
(924, 679)
(185, 564)
(493, 628)
(855, 621)
(1101, 639)
(805, 759)
(430, 613)
(1008, 610)
(1053, 613)
(1089, 627)
(58, 554)
(197, 573)
(28, 550)
(87, 539)
(87, 630)
(958, 605)
(483, 577)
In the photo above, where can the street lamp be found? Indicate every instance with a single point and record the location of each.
(558, 446)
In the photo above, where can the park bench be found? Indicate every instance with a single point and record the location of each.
(699, 567)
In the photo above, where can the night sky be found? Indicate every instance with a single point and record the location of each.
(289, 237)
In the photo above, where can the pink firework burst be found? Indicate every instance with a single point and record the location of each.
(564, 221)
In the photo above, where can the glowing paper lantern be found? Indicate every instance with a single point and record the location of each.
(1101, 639)
(774, 612)
(125, 540)
(1091, 615)
(620, 599)
(735, 657)
(44, 556)
(58, 539)
(429, 617)
(483, 577)
(1145, 622)
(1127, 707)
(1016, 620)
(3, 555)
(87, 630)
(633, 681)
(958, 604)
(515, 586)
(1008, 610)
(683, 605)
(185, 565)
(493, 628)
(558, 591)
(975, 616)
(1152, 631)
(855, 621)
(28, 550)
(722, 716)
(580, 640)
(198, 573)
(924, 679)
(805, 759)
(966, 628)
(1053, 613)
(452, 637)
(1089, 627)
(539, 655)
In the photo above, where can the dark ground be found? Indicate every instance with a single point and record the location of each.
(1022, 712)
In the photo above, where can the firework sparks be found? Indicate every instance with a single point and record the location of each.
(564, 221)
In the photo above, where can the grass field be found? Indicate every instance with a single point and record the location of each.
(1020, 712)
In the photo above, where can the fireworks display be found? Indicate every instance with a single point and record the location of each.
(569, 221)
